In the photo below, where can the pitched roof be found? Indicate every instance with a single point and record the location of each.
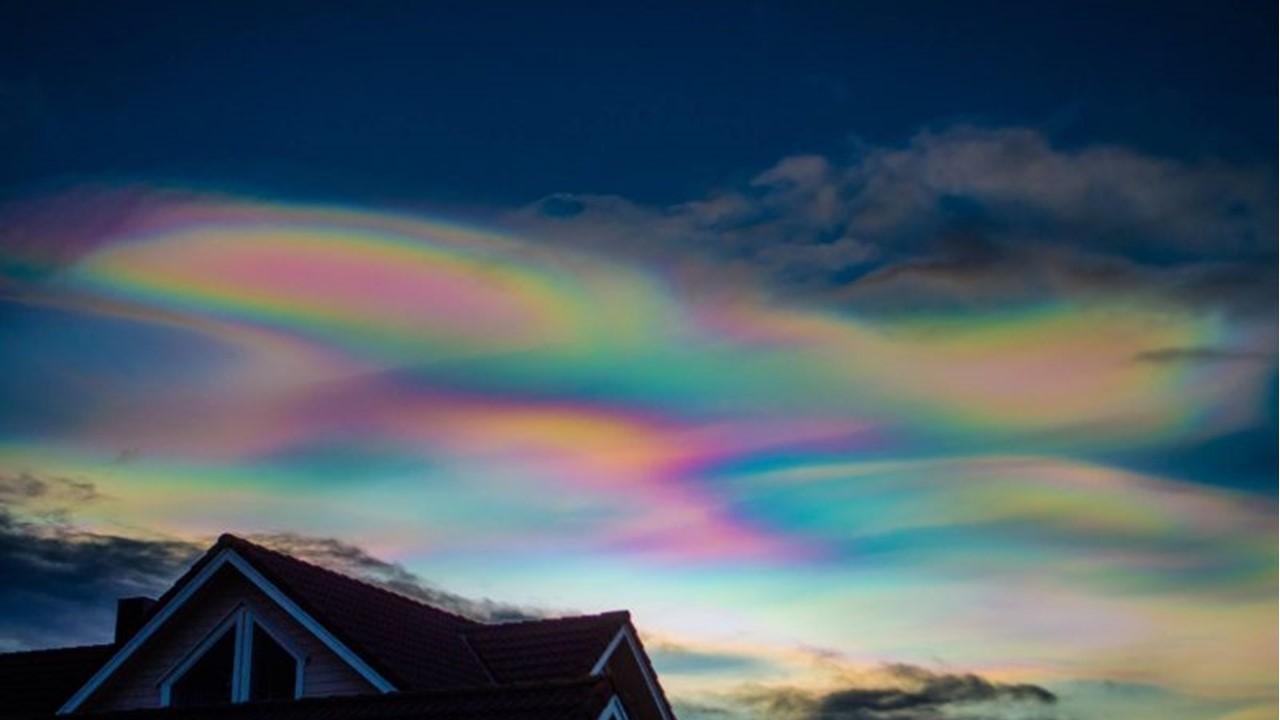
(420, 647)
(39, 681)
(423, 647)
(416, 646)
(426, 652)
(543, 649)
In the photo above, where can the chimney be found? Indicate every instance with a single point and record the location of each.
(131, 613)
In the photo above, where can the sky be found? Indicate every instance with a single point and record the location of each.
(888, 361)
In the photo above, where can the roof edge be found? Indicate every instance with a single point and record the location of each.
(234, 541)
(217, 557)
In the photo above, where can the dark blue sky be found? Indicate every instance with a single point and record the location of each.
(897, 341)
(495, 105)
(460, 103)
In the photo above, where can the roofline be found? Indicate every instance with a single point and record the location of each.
(625, 633)
(232, 541)
(225, 556)
(621, 615)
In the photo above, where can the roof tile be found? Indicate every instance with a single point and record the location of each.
(544, 649)
(417, 646)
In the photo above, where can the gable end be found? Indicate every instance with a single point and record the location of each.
(626, 638)
(225, 557)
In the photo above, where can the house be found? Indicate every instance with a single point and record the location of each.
(249, 632)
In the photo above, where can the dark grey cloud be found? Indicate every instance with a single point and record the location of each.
(61, 581)
(976, 272)
(694, 710)
(904, 692)
(25, 488)
(61, 584)
(925, 695)
(1108, 197)
(968, 215)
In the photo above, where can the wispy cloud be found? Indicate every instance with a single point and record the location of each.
(354, 561)
(26, 488)
(62, 580)
(903, 692)
(70, 576)
(974, 212)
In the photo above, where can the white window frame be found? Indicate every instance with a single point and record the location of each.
(625, 637)
(241, 621)
(614, 710)
(225, 557)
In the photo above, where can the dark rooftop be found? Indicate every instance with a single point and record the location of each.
(39, 681)
(444, 664)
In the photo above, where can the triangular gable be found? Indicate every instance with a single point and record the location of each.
(221, 556)
(399, 644)
(628, 642)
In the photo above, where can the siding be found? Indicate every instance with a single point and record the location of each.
(137, 683)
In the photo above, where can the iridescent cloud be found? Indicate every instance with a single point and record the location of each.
(899, 487)
(394, 292)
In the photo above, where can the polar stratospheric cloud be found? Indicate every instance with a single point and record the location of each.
(818, 503)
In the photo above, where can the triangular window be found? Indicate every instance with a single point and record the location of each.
(208, 680)
(273, 672)
(240, 660)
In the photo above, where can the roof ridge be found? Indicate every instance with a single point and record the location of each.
(620, 614)
(232, 540)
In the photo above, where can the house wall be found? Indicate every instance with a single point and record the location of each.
(137, 683)
(628, 679)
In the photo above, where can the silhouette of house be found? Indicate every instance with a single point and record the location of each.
(249, 632)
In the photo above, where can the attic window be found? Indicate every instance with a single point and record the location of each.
(273, 671)
(240, 660)
(208, 680)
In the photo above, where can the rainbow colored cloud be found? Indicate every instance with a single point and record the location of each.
(446, 394)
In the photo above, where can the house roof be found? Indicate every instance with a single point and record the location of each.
(544, 649)
(414, 645)
(39, 681)
(420, 647)
(444, 662)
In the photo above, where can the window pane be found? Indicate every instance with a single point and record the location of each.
(274, 671)
(208, 681)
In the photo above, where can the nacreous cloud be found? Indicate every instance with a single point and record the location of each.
(909, 405)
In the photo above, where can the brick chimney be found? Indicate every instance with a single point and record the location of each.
(131, 613)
